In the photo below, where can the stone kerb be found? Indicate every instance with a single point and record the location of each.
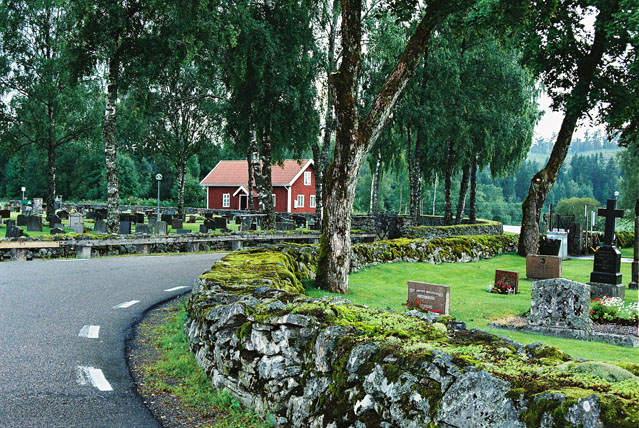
(329, 363)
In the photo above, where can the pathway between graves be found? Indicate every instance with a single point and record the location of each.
(63, 331)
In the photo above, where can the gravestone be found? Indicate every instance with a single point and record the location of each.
(22, 220)
(152, 221)
(34, 223)
(208, 215)
(176, 224)
(100, 227)
(220, 223)
(76, 222)
(56, 231)
(10, 223)
(91, 215)
(605, 279)
(37, 205)
(203, 229)
(55, 221)
(5, 213)
(246, 223)
(13, 232)
(63, 214)
(142, 229)
(183, 231)
(168, 218)
(543, 267)
(124, 217)
(634, 283)
(139, 218)
(125, 228)
(430, 297)
(160, 228)
(576, 243)
(560, 304)
(563, 238)
(508, 277)
(284, 225)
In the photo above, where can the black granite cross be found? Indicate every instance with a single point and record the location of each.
(611, 213)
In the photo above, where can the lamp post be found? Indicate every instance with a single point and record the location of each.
(158, 177)
(616, 194)
(23, 189)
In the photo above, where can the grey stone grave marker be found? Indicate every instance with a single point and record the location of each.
(142, 229)
(176, 224)
(54, 221)
(34, 223)
(13, 232)
(605, 279)
(100, 226)
(22, 220)
(10, 223)
(560, 304)
(139, 218)
(160, 228)
(543, 267)
(431, 297)
(203, 229)
(125, 228)
(37, 205)
(5, 213)
(76, 222)
(220, 223)
(168, 218)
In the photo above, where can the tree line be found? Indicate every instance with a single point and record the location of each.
(447, 88)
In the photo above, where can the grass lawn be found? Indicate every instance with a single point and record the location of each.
(384, 287)
(627, 252)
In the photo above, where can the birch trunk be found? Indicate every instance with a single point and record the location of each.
(448, 208)
(181, 181)
(355, 138)
(252, 155)
(435, 192)
(415, 178)
(51, 167)
(374, 203)
(265, 189)
(472, 210)
(463, 191)
(577, 106)
(110, 148)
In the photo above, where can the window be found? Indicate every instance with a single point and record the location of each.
(300, 201)
(307, 178)
(274, 199)
(311, 202)
(226, 200)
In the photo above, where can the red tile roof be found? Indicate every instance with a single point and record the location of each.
(235, 173)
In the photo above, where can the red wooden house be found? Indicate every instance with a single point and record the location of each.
(293, 186)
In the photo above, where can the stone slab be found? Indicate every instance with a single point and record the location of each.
(430, 297)
(607, 265)
(543, 267)
(508, 277)
(600, 289)
(100, 227)
(34, 223)
(563, 237)
(560, 303)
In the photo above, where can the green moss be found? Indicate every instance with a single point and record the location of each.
(244, 331)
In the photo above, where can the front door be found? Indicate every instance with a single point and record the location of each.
(243, 204)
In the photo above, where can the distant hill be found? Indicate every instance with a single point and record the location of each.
(543, 157)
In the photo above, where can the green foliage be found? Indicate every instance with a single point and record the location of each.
(576, 207)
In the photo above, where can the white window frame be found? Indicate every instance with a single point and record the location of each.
(300, 201)
(226, 200)
(307, 178)
(274, 199)
(311, 202)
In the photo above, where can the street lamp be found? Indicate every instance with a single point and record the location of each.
(616, 194)
(158, 177)
(23, 189)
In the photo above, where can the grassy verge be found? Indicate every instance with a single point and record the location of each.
(176, 372)
(384, 287)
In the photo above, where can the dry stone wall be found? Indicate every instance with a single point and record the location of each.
(329, 363)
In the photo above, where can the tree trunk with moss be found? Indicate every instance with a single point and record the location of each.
(265, 186)
(576, 106)
(448, 205)
(374, 202)
(354, 137)
(181, 183)
(415, 176)
(472, 210)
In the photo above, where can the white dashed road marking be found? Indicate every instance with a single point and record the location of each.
(90, 331)
(176, 288)
(93, 376)
(126, 304)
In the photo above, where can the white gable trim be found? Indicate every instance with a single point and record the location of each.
(288, 200)
(210, 172)
(241, 188)
(300, 172)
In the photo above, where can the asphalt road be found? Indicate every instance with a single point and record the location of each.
(54, 371)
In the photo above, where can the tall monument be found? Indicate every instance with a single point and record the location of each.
(605, 280)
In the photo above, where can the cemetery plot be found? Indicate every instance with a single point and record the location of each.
(506, 282)
(429, 297)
